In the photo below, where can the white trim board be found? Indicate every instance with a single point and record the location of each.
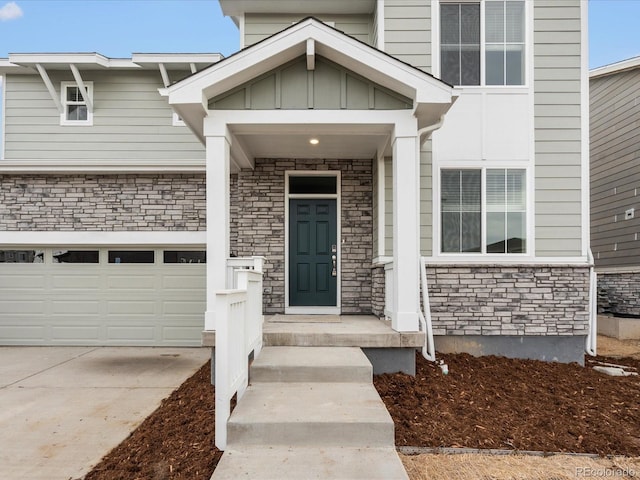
(43, 238)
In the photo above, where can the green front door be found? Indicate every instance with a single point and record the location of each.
(312, 250)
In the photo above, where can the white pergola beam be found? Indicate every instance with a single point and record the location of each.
(164, 75)
(311, 54)
(52, 91)
(81, 86)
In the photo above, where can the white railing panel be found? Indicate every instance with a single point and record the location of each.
(236, 264)
(251, 281)
(232, 374)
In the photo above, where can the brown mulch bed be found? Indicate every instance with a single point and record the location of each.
(498, 403)
(174, 443)
(486, 402)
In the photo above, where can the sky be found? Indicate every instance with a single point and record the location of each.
(118, 28)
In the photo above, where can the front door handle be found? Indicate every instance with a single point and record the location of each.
(334, 270)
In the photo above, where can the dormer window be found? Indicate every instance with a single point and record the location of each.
(75, 109)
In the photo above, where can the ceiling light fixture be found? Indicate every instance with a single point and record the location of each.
(314, 141)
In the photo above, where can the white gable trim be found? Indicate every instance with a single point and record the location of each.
(190, 96)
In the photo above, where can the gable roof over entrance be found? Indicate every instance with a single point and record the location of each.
(431, 97)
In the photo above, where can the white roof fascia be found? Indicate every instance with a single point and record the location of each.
(617, 67)
(7, 67)
(187, 58)
(240, 7)
(59, 58)
(292, 43)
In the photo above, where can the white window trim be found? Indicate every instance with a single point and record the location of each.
(528, 45)
(63, 98)
(338, 196)
(470, 257)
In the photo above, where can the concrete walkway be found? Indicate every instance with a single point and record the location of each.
(63, 408)
(310, 413)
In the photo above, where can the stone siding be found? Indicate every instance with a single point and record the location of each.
(102, 202)
(259, 224)
(619, 293)
(377, 290)
(509, 300)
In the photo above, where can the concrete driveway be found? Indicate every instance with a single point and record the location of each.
(63, 408)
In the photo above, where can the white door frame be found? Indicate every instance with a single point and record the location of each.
(306, 310)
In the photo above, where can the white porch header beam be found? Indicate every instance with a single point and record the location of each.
(81, 86)
(52, 91)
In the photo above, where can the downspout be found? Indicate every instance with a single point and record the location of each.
(592, 336)
(428, 349)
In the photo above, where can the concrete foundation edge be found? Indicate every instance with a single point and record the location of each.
(392, 360)
(563, 349)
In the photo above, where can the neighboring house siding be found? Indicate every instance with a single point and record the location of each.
(131, 121)
(407, 31)
(558, 152)
(259, 203)
(257, 27)
(102, 202)
(615, 169)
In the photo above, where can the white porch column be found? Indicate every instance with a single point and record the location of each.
(218, 169)
(406, 229)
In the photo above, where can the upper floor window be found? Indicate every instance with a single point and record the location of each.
(482, 43)
(75, 109)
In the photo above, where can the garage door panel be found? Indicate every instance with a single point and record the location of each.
(131, 334)
(22, 306)
(131, 308)
(101, 303)
(182, 334)
(19, 334)
(78, 282)
(183, 308)
(128, 282)
(75, 307)
(75, 333)
(183, 282)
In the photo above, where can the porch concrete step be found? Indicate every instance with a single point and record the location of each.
(311, 364)
(306, 463)
(311, 414)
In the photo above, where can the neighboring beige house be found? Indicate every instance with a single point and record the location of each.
(349, 143)
(615, 186)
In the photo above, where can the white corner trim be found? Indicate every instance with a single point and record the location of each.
(65, 238)
(584, 125)
(380, 24)
(3, 123)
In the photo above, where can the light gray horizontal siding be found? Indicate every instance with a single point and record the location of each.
(557, 128)
(426, 202)
(130, 121)
(388, 206)
(615, 168)
(407, 31)
(257, 27)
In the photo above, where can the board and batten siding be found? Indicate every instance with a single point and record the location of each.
(257, 27)
(131, 121)
(557, 107)
(407, 31)
(615, 169)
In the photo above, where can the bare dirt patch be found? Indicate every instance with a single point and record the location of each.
(500, 403)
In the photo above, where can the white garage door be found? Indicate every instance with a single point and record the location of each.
(102, 297)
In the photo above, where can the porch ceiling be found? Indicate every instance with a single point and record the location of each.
(331, 146)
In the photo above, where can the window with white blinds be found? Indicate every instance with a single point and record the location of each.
(465, 206)
(481, 36)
